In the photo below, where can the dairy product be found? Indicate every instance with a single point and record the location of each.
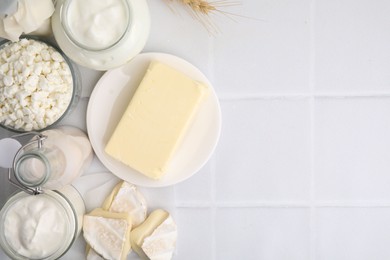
(92, 255)
(64, 155)
(101, 34)
(125, 198)
(108, 233)
(97, 24)
(76, 149)
(36, 85)
(155, 120)
(42, 226)
(30, 16)
(34, 227)
(156, 237)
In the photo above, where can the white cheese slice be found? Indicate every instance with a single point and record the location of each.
(125, 198)
(92, 255)
(161, 244)
(155, 239)
(108, 233)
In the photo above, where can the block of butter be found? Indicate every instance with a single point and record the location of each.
(108, 233)
(155, 239)
(156, 120)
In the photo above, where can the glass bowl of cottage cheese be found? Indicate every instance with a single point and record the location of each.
(38, 85)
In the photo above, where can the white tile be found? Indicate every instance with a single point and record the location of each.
(353, 233)
(263, 233)
(176, 32)
(267, 52)
(264, 151)
(194, 234)
(351, 43)
(197, 189)
(352, 147)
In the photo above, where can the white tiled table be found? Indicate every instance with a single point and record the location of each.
(302, 169)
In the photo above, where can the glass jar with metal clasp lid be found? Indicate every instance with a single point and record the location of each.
(44, 219)
(50, 160)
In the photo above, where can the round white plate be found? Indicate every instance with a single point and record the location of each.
(111, 97)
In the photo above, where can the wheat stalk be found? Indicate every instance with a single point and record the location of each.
(202, 9)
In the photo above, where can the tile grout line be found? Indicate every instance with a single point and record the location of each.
(213, 166)
(255, 96)
(213, 208)
(286, 205)
(312, 57)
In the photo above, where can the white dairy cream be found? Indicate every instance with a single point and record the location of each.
(35, 226)
(42, 226)
(97, 24)
(102, 34)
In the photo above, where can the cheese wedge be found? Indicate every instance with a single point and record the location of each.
(92, 255)
(156, 120)
(108, 233)
(155, 239)
(125, 198)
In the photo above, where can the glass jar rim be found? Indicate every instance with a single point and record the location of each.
(32, 155)
(67, 211)
(72, 38)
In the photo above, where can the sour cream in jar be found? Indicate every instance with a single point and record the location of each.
(101, 34)
(42, 226)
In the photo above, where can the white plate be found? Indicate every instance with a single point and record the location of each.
(109, 100)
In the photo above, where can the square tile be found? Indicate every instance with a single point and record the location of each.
(263, 233)
(351, 44)
(175, 31)
(197, 189)
(353, 233)
(194, 234)
(352, 149)
(264, 151)
(265, 51)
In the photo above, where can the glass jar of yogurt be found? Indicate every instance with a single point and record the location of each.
(101, 34)
(43, 226)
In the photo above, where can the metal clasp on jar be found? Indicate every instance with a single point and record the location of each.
(16, 175)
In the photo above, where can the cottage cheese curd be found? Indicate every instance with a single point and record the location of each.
(36, 85)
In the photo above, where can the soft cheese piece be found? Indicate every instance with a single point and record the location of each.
(155, 120)
(92, 255)
(155, 239)
(108, 233)
(125, 198)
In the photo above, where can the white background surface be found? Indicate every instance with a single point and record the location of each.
(302, 169)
